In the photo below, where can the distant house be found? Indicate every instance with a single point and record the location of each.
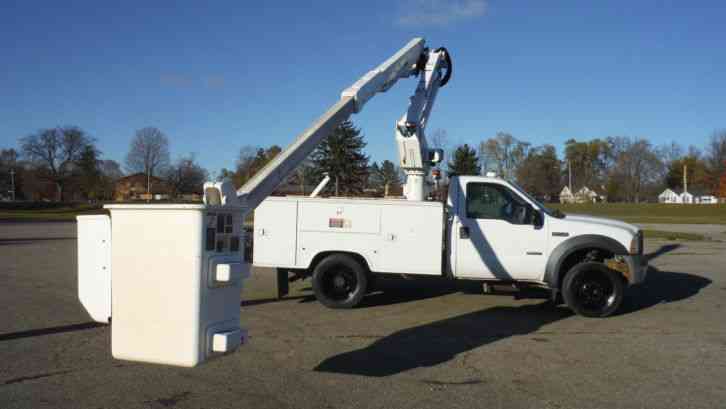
(669, 196)
(134, 187)
(566, 195)
(584, 195)
(707, 199)
(681, 197)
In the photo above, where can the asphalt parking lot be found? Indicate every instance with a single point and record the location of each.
(415, 345)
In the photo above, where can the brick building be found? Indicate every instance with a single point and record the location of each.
(134, 187)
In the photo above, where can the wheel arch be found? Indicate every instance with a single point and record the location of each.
(320, 256)
(557, 259)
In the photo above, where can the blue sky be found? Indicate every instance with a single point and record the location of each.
(215, 76)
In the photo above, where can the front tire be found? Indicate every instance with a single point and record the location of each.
(593, 290)
(339, 281)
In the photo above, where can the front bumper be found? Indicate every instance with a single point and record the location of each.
(637, 268)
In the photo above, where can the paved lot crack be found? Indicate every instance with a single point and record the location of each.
(38, 376)
(22, 379)
(172, 400)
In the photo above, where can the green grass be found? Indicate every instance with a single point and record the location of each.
(628, 212)
(672, 235)
(57, 214)
(650, 212)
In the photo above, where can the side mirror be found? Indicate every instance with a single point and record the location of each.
(537, 218)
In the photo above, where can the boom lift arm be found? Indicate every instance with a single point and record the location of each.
(414, 155)
(413, 59)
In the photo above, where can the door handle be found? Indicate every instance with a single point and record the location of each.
(463, 232)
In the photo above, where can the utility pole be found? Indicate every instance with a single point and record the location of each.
(12, 183)
(148, 185)
(569, 173)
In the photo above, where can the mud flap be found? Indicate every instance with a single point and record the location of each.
(283, 283)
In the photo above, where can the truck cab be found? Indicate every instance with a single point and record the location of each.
(499, 232)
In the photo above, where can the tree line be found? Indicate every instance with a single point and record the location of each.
(64, 164)
(624, 169)
(341, 156)
(66, 161)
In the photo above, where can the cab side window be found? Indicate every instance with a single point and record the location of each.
(493, 201)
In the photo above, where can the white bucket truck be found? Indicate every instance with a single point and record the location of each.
(168, 277)
(489, 230)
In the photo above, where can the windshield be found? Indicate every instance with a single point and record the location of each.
(550, 212)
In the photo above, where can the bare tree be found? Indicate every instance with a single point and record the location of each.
(246, 164)
(149, 153)
(440, 140)
(251, 160)
(540, 172)
(110, 173)
(503, 153)
(670, 152)
(588, 162)
(716, 156)
(110, 169)
(54, 152)
(637, 166)
(186, 176)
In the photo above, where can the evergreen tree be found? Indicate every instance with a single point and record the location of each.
(385, 179)
(89, 174)
(464, 162)
(303, 179)
(390, 177)
(374, 177)
(341, 156)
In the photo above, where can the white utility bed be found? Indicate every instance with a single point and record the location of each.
(393, 236)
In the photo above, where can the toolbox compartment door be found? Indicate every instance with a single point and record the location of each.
(412, 239)
(275, 233)
(94, 266)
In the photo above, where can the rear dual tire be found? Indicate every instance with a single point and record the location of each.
(340, 281)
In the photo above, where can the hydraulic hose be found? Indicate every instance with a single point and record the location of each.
(449, 66)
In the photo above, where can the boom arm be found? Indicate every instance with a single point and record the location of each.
(409, 60)
(413, 152)
(400, 65)
(264, 182)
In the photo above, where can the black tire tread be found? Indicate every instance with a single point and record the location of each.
(615, 278)
(332, 261)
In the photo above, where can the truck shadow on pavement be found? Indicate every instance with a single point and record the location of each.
(396, 290)
(31, 240)
(50, 331)
(662, 287)
(666, 248)
(441, 341)
(438, 342)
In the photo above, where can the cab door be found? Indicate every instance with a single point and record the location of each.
(499, 235)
